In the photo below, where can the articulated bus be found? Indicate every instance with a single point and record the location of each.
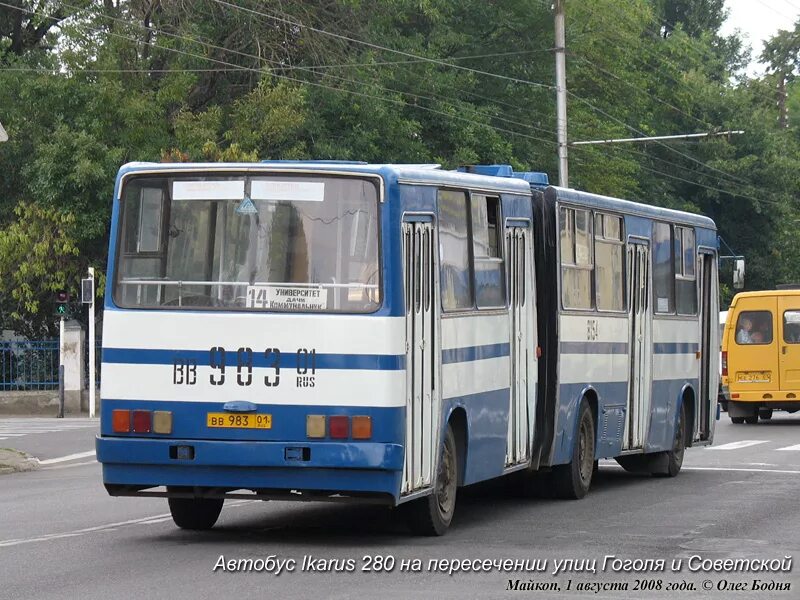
(390, 333)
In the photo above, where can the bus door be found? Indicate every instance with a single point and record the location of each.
(524, 372)
(422, 363)
(788, 320)
(640, 344)
(709, 344)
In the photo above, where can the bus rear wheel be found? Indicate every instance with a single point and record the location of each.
(432, 514)
(672, 459)
(195, 513)
(572, 481)
(765, 414)
(737, 420)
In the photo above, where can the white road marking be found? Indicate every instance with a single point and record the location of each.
(69, 466)
(783, 471)
(152, 520)
(76, 456)
(57, 536)
(737, 445)
(795, 448)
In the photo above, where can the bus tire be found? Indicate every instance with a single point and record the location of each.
(737, 420)
(751, 419)
(432, 514)
(672, 460)
(765, 414)
(195, 513)
(572, 481)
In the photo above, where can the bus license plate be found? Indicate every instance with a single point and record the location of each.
(754, 376)
(227, 420)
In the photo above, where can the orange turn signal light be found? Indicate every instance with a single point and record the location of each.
(361, 428)
(121, 421)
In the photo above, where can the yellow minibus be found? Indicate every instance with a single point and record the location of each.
(761, 354)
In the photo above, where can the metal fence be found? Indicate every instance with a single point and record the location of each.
(29, 365)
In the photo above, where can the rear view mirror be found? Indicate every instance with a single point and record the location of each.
(738, 274)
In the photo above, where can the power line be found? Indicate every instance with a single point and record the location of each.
(702, 185)
(638, 89)
(489, 74)
(379, 47)
(281, 76)
(400, 102)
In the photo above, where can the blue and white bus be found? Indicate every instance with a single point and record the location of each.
(389, 333)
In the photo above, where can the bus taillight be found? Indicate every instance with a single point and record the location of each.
(339, 426)
(120, 421)
(362, 428)
(725, 363)
(141, 421)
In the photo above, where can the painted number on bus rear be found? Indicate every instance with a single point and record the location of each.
(184, 370)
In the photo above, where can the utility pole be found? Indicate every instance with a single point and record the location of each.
(561, 94)
(783, 112)
(87, 297)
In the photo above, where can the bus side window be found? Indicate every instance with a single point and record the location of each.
(685, 280)
(490, 287)
(609, 263)
(576, 258)
(663, 271)
(456, 280)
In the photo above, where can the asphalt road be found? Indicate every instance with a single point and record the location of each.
(61, 536)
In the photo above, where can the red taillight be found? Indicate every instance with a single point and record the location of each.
(141, 421)
(339, 427)
(120, 421)
(725, 363)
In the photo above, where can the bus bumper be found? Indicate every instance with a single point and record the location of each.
(319, 468)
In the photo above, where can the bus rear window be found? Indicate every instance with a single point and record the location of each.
(282, 242)
(754, 327)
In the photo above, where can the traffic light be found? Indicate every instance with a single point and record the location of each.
(62, 306)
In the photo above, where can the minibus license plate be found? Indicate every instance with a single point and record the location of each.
(754, 377)
(227, 420)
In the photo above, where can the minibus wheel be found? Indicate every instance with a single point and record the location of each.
(572, 481)
(432, 514)
(195, 513)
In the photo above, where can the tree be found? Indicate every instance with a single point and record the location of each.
(38, 257)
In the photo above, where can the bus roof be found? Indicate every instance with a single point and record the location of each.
(632, 208)
(416, 173)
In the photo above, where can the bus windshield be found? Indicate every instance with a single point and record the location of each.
(277, 242)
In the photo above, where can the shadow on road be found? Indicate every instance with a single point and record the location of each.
(338, 525)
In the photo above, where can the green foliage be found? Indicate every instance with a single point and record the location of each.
(112, 82)
(38, 257)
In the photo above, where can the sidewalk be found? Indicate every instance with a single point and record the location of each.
(42, 403)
